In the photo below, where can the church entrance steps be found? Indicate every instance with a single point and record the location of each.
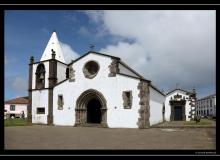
(93, 125)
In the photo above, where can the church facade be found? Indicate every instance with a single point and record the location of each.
(93, 89)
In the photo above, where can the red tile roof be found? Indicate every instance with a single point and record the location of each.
(18, 100)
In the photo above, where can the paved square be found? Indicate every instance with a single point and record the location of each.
(57, 137)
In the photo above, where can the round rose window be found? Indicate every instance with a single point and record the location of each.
(91, 69)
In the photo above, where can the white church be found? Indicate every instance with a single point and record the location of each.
(98, 89)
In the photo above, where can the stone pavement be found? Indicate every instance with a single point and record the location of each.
(57, 137)
(181, 124)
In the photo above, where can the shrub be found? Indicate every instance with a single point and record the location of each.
(197, 119)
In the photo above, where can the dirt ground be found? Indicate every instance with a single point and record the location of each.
(57, 137)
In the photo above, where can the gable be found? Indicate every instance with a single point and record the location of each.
(127, 71)
(94, 53)
(177, 91)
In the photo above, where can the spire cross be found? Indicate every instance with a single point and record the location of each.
(91, 47)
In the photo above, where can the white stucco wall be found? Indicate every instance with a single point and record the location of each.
(46, 65)
(110, 87)
(39, 99)
(124, 70)
(61, 71)
(168, 107)
(156, 106)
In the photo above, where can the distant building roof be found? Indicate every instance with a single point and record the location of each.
(210, 96)
(18, 100)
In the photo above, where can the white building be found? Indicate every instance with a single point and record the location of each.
(16, 107)
(180, 105)
(206, 106)
(94, 89)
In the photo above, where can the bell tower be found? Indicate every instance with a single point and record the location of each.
(43, 77)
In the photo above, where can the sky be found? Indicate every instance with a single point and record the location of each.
(168, 47)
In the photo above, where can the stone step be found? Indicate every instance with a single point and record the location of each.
(92, 125)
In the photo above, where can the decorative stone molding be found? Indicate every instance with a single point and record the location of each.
(177, 96)
(71, 74)
(113, 67)
(144, 111)
(192, 99)
(81, 107)
(127, 99)
(91, 69)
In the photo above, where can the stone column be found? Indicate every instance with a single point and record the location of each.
(52, 81)
(144, 111)
(104, 117)
(29, 109)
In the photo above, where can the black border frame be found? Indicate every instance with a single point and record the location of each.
(194, 153)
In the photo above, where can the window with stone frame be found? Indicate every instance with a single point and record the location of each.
(60, 102)
(127, 99)
(40, 110)
(40, 76)
(91, 69)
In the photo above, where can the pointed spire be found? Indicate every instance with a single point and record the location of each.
(54, 45)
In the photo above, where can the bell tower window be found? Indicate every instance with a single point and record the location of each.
(67, 73)
(40, 76)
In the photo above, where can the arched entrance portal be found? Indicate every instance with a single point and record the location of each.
(91, 108)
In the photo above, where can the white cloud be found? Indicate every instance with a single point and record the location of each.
(9, 60)
(168, 46)
(45, 30)
(69, 53)
(84, 31)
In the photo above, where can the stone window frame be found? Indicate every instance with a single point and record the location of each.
(127, 100)
(86, 72)
(60, 102)
(40, 112)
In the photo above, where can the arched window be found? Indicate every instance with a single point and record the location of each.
(40, 76)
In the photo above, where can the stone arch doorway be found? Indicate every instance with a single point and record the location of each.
(91, 108)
